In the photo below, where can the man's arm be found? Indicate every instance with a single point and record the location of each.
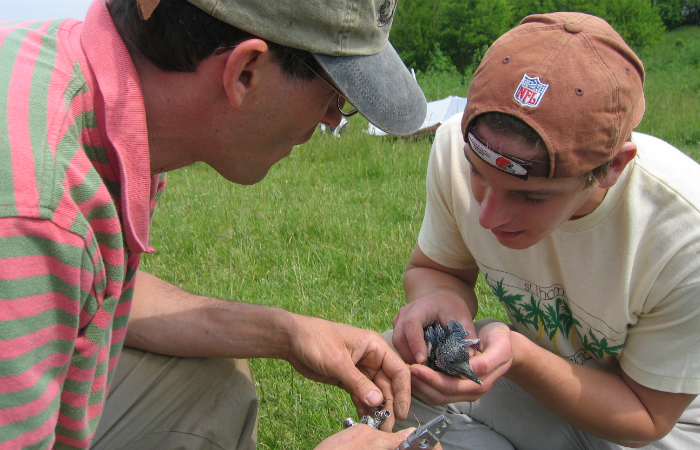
(608, 405)
(165, 319)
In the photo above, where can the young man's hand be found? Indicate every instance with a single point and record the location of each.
(492, 362)
(409, 323)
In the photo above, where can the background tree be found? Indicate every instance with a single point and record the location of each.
(466, 28)
(691, 12)
(414, 32)
(463, 29)
(671, 12)
(676, 13)
(638, 21)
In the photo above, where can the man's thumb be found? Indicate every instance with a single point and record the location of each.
(361, 387)
(405, 433)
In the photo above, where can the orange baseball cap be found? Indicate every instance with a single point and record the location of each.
(573, 79)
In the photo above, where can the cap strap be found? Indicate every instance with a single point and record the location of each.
(146, 8)
(504, 162)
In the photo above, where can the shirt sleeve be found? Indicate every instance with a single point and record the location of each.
(45, 284)
(440, 238)
(662, 350)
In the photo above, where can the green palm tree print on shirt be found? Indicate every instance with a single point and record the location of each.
(553, 320)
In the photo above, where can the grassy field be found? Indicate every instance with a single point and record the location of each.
(330, 229)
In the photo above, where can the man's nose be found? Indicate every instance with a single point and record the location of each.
(333, 117)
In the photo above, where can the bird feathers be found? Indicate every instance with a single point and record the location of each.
(447, 350)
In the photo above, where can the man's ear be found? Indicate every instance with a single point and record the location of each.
(618, 164)
(242, 71)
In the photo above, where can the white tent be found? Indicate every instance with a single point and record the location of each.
(438, 112)
(341, 128)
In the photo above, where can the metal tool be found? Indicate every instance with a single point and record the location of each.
(427, 436)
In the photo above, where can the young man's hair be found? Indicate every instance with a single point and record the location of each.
(513, 127)
(179, 35)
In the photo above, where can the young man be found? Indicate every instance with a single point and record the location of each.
(93, 115)
(586, 232)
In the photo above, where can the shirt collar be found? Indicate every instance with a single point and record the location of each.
(124, 124)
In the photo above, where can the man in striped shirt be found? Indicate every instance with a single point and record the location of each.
(94, 114)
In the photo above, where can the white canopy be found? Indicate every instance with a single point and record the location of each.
(438, 112)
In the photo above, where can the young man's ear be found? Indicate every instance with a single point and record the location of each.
(618, 164)
(242, 70)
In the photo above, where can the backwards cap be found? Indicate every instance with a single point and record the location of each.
(572, 78)
(349, 39)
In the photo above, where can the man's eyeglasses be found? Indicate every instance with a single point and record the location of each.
(346, 109)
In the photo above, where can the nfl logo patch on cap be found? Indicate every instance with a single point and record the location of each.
(530, 91)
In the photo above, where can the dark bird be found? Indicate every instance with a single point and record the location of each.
(447, 350)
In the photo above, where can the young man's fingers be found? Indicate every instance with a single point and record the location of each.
(415, 337)
(438, 389)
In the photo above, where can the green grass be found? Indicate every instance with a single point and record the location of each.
(673, 90)
(439, 85)
(328, 233)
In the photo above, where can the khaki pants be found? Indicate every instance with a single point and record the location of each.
(163, 402)
(508, 418)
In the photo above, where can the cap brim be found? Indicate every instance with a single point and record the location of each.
(380, 87)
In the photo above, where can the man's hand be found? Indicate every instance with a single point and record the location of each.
(489, 365)
(170, 321)
(352, 358)
(363, 437)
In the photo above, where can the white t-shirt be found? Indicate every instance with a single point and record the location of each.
(620, 286)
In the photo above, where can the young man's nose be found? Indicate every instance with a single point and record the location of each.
(493, 210)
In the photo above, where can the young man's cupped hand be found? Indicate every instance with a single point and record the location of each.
(492, 361)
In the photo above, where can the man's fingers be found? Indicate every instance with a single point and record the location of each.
(384, 383)
(359, 386)
(401, 387)
(395, 439)
(405, 433)
(364, 437)
(399, 377)
(360, 407)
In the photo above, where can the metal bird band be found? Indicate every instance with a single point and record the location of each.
(379, 414)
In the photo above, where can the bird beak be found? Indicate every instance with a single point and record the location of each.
(465, 371)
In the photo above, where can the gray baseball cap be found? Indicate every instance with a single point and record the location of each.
(349, 39)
